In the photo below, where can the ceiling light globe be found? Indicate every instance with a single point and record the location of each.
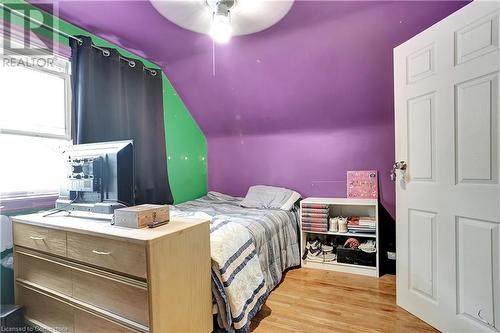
(221, 29)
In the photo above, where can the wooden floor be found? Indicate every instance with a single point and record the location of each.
(311, 300)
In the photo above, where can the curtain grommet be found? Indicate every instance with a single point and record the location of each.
(106, 53)
(153, 73)
(131, 63)
(80, 42)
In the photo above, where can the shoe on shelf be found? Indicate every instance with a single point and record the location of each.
(368, 246)
(312, 250)
(328, 257)
(315, 254)
(318, 252)
(326, 248)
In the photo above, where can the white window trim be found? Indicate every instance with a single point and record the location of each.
(15, 201)
(66, 76)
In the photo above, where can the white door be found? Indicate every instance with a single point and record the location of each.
(448, 204)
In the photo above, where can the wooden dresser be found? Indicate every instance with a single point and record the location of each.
(76, 274)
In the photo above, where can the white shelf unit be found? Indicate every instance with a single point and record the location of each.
(344, 207)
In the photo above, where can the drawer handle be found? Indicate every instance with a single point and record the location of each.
(37, 238)
(101, 253)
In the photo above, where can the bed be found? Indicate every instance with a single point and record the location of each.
(250, 250)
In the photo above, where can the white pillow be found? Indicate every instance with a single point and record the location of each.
(270, 197)
(291, 201)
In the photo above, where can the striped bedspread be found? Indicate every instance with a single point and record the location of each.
(237, 281)
(250, 249)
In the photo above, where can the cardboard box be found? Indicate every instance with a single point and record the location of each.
(142, 215)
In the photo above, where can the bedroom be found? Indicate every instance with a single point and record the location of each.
(322, 166)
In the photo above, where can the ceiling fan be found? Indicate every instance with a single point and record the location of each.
(222, 19)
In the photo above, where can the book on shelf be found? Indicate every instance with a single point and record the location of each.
(367, 221)
(361, 222)
(359, 227)
(314, 205)
(322, 214)
(362, 218)
(362, 231)
(314, 225)
(355, 224)
(315, 210)
(324, 229)
(314, 220)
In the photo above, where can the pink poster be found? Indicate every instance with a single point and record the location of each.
(362, 184)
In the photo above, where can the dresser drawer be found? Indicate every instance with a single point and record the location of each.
(125, 297)
(40, 238)
(34, 268)
(126, 300)
(88, 323)
(54, 315)
(117, 255)
(45, 311)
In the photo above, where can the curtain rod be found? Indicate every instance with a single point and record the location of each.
(105, 52)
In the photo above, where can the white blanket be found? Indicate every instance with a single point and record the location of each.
(240, 287)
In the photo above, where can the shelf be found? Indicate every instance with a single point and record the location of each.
(334, 262)
(341, 267)
(351, 234)
(341, 201)
(344, 207)
(348, 265)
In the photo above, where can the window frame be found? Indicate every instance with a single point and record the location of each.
(16, 201)
(65, 74)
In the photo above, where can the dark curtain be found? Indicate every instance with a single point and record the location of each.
(114, 101)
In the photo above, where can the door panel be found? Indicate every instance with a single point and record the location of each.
(477, 270)
(422, 258)
(421, 152)
(477, 132)
(477, 39)
(420, 64)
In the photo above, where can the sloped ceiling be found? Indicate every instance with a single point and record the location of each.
(325, 68)
(281, 79)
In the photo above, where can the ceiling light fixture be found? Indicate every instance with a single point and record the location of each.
(221, 29)
(225, 18)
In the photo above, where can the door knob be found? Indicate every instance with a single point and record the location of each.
(401, 165)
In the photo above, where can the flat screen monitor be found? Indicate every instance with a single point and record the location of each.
(99, 178)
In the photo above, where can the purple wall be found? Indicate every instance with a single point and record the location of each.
(311, 162)
(296, 105)
(312, 100)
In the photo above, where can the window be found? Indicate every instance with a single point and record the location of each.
(35, 118)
